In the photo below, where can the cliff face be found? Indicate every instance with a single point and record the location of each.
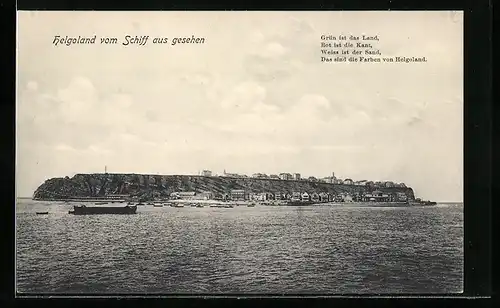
(97, 185)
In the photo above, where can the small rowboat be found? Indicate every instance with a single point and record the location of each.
(42, 213)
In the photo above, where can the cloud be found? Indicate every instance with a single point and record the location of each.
(196, 79)
(32, 86)
(91, 150)
(273, 50)
(80, 116)
(64, 148)
(304, 123)
(301, 26)
(265, 69)
(99, 150)
(277, 56)
(244, 97)
(254, 99)
(256, 37)
(76, 115)
(78, 101)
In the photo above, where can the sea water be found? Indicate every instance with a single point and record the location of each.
(243, 250)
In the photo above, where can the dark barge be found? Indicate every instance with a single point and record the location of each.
(92, 210)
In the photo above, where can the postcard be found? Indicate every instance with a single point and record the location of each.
(239, 152)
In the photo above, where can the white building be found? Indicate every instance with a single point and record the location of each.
(191, 195)
(286, 176)
(348, 182)
(259, 175)
(305, 197)
(347, 198)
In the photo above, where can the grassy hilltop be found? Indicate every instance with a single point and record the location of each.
(99, 185)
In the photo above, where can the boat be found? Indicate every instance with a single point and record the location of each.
(422, 203)
(158, 205)
(98, 203)
(90, 210)
(151, 203)
(42, 213)
(200, 205)
(223, 206)
(373, 204)
(251, 205)
(299, 203)
(177, 205)
(429, 203)
(140, 203)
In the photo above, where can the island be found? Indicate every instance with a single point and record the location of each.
(150, 187)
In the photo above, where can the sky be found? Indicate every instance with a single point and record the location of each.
(255, 97)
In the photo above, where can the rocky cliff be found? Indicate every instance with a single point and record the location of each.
(147, 186)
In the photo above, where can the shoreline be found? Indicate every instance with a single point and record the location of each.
(249, 203)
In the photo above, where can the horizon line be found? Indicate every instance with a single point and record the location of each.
(442, 202)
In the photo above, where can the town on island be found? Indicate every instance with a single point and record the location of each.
(225, 190)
